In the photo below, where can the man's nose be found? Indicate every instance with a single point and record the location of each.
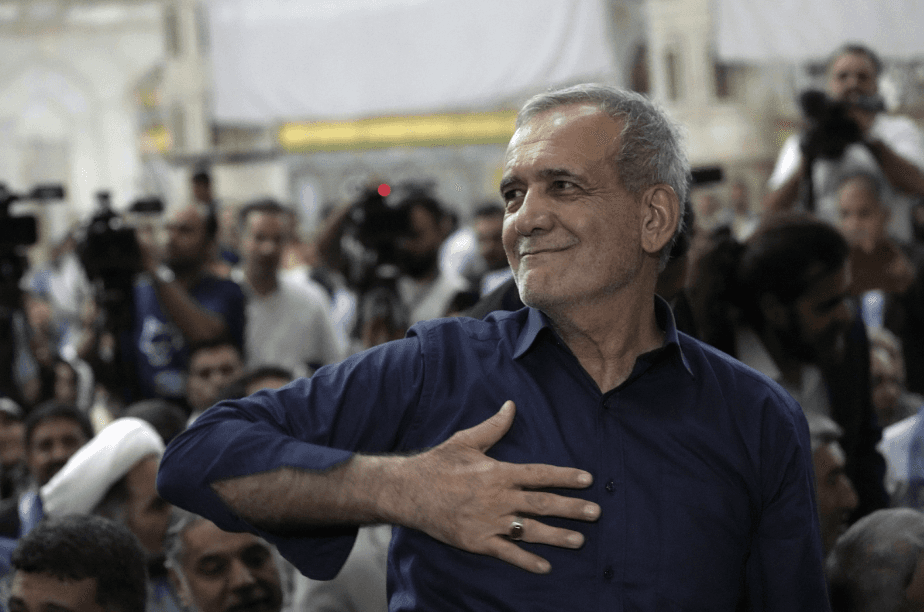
(240, 575)
(848, 494)
(534, 214)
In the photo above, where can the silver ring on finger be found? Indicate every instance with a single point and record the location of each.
(516, 530)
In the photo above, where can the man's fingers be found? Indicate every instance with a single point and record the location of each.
(537, 532)
(487, 433)
(538, 503)
(542, 476)
(508, 551)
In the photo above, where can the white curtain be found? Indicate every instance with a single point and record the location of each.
(809, 30)
(277, 60)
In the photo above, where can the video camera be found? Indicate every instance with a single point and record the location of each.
(109, 253)
(830, 127)
(17, 232)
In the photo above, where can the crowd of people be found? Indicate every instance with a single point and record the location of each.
(658, 471)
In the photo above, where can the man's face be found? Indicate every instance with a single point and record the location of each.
(12, 434)
(264, 238)
(52, 444)
(210, 369)
(489, 230)
(224, 571)
(836, 495)
(147, 515)
(862, 217)
(40, 592)
(418, 252)
(65, 383)
(852, 75)
(571, 231)
(820, 318)
(188, 246)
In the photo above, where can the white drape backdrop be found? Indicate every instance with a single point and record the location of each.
(809, 30)
(277, 60)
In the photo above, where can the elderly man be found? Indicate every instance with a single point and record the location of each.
(836, 495)
(629, 467)
(216, 571)
(78, 563)
(876, 565)
(891, 147)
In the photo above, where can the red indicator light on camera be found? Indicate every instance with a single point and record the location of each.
(384, 189)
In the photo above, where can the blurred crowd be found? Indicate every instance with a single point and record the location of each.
(819, 284)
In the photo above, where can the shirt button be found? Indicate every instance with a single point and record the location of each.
(610, 486)
(608, 573)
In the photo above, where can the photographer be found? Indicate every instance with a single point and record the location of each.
(179, 303)
(889, 145)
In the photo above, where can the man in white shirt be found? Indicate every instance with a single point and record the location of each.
(891, 146)
(287, 325)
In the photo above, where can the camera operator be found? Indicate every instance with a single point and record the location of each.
(178, 303)
(887, 144)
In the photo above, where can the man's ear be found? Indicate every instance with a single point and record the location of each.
(775, 313)
(660, 215)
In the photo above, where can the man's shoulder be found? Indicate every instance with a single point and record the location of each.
(210, 284)
(712, 366)
(497, 325)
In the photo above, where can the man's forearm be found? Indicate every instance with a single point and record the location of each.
(195, 322)
(900, 172)
(363, 490)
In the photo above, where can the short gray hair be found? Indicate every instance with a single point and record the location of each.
(180, 521)
(822, 430)
(874, 560)
(650, 145)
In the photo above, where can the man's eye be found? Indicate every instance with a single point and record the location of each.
(212, 567)
(563, 185)
(512, 195)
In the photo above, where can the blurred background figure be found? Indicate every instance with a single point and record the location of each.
(877, 565)
(80, 564)
(490, 269)
(287, 323)
(212, 366)
(14, 476)
(114, 476)
(854, 136)
(887, 274)
(836, 497)
(217, 571)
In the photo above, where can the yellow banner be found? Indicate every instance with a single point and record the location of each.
(418, 131)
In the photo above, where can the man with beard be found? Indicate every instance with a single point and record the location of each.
(288, 323)
(217, 571)
(833, 490)
(422, 287)
(891, 147)
(629, 466)
(53, 433)
(789, 285)
(179, 303)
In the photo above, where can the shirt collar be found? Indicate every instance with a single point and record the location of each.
(537, 321)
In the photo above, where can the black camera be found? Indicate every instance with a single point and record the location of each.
(110, 255)
(831, 129)
(378, 223)
(17, 232)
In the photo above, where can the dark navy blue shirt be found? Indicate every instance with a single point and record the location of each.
(701, 465)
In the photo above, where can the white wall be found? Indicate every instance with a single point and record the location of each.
(68, 113)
